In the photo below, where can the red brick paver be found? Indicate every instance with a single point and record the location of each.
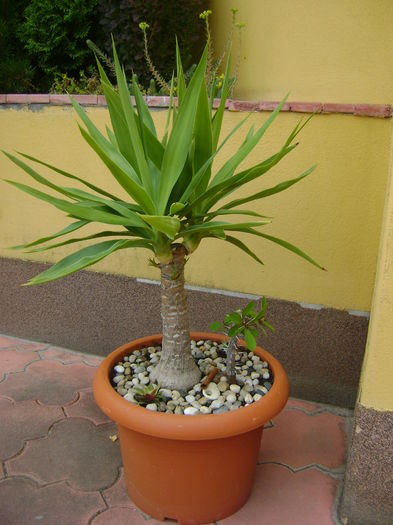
(48, 381)
(60, 465)
(23, 502)
(23, 421)
(76, 451)
(298, 439)
(281, 497)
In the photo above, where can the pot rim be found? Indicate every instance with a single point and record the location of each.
(179, 426)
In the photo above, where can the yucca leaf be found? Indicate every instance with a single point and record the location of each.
(222, 211)
(72, 193)
(199, 176)
(239, 244)
(219, 114)
(269, 191)
(168, 118)
(70, 176)
(181, 85)
(286, 245)
(118, 121)
(168, 225)
(80, 239)
(179, 141)
(79, 211)
(136, 191)
(221, 225)
(145, 119)
(130, 118)
(68, 229)
(202, 138)
(229, 167)
(84, 258)
(218, 192)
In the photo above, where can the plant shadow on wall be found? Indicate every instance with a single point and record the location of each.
(176, 201)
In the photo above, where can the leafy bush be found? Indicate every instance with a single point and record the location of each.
(55, 33)
(166, 19)
(16, 71)
(85, 83)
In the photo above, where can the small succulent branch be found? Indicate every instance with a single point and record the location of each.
(104, 58)
(205, 16)
(157, 77)
(147, 394)
(247, 324)
(227, 45)
(239, 26)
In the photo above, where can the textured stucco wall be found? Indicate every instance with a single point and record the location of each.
(334, 215)
(334, 51)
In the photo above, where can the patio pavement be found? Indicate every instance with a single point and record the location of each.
(59, 465)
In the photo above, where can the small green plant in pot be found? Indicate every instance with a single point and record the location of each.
(244, 324)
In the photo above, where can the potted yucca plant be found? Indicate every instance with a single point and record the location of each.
(194, 469)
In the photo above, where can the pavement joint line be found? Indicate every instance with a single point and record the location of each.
(96, 513)
(24, 368)
(336, 473)
(336, 504)
(76, 397)
(337, 411)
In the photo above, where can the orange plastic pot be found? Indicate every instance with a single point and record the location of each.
(193, 469)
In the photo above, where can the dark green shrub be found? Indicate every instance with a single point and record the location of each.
(16, 71)
(166, 19)
(55, 33)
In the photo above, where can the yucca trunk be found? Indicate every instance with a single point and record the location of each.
(177, 368)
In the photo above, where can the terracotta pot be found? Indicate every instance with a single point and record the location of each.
(193, 469)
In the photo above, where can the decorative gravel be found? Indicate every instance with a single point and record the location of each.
(131, 379)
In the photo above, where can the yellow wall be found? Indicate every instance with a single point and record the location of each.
(319, 50)
(376, 385)
(334, 215)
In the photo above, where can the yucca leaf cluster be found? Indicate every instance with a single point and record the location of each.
(175, 195)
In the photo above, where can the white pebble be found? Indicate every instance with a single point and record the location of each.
(119, 369)
(190, 398)
(152, 407)
(191, 411)
(205, 410)
(231, 398)
(235, 388)
(117, 379)
(211, 391)
(222, 386)
(217, 403)
(248, 398)
(254, 375)
(129, 397)
(266, 375)
(257, 397)
(145, 380)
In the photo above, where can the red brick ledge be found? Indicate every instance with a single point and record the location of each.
(365, 110)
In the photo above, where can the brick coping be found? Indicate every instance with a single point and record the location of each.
(365, 110)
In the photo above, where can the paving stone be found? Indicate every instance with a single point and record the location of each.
(59, 354)
(13, 361)
(21, 421)
(121, 516)
(50, 382)
(117, 495)
(280, 497)
(86, 407)
(6, 341)
(75, 450)
(298, 439)
(24, 503)
(304, 405)
(2, 473)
